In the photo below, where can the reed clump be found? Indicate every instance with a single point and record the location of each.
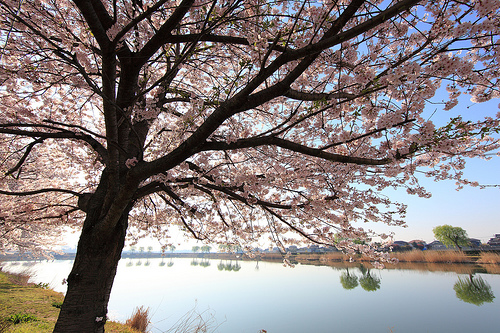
(446, 257)
(489, 258)
(21, 278)
(410, 256)
(432, 256)
(195, 322)
(139, 319)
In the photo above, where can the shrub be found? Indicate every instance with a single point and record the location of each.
(139, 319)
(195, 322)
(20, 278)
(19, 318)
(42, 285)
(57, 304)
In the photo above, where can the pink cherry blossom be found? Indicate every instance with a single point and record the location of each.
(253, 122)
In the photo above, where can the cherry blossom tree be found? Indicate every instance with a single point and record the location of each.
(235, 120)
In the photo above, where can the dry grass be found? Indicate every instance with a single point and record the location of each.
(489, 258)
(139, 319)
(426, 267)
(432, 256)
(410, 256)
(415, 256)
(491, 269)
(446, 257)
(336, 256)
(22, 278)
(4, 325)
(195, 322)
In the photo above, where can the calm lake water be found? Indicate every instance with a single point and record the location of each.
(247, 296)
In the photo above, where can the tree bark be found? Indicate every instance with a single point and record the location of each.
(89, 284)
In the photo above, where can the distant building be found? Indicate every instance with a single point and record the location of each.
(474, 242)
(417, 244)
(495, 241)
(399, 246)
(436, 245)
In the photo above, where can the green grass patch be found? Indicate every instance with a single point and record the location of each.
(33, 308)
(19, 318)
(21, 302)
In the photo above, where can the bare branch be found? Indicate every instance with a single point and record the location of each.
(14, 129)
(44, 190)
(24, 157)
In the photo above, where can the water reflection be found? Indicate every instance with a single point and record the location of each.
(473, 290)
(348, 281)
(368, 281)
(228, 266)
(281, 299)
(205, 263)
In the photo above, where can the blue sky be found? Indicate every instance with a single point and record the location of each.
(475, 210)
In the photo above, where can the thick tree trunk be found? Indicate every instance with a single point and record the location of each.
(89, 284)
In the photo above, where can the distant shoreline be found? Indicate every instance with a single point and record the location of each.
(429, 256)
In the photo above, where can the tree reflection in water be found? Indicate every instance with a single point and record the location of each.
(205, 263)
(368, 282)
(229, 266)
(473, 290)
(348, 281)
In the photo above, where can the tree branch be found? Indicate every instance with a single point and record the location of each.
(274, 141)
(24, 157)
(160, 38)
(97, 19)
(62, 134)
(44, 190)
(306, 96)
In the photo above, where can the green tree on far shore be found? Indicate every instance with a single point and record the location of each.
(451, 236)
(206, 248)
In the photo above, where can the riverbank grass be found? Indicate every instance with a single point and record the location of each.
(433, 256)
(30, 308)
(489, 258)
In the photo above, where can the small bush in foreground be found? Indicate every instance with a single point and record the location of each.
(20, 278)
(20, 318)
(139, 319)
(195, 322)
(42, 285)
(57, 304)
